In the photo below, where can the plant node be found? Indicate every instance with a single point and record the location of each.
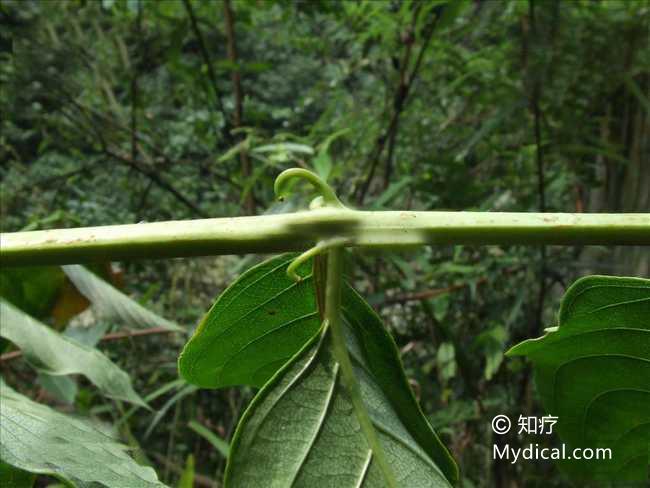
(327, 196)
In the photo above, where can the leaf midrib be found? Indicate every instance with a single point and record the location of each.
(321, 421)
(381, 427)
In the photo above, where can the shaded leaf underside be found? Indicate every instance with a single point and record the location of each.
(593, 372)
(301, 431)
(263, 319)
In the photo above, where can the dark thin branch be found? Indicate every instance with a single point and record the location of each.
(140, 138)
(539, 153)
(134, 87)
(225, 131)
(149, 173)
(534, 76)
(432, 293)
(143, 199)
(539, 158)
(91, 114)
(541, 196)
(152, 174)
(115, 336)
(232, 56)
(399, 103)
(63, 176)
(246, 169)
(402, 91)
(156, 178)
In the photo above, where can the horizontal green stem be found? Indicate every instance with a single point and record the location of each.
(301, 230)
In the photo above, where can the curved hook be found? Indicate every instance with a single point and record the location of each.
(320, 247)
(327, 195)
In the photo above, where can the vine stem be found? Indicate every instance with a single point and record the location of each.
(299, 231)
(333, 317)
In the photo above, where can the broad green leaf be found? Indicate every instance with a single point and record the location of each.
(110, 303)
(38, 439)
(301, 430)
(593, 373)
(270, 318)
(61, 293)
(254, 327)
(56, 354)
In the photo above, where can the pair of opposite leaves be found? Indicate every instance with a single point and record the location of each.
(300, 429)
(593, 371)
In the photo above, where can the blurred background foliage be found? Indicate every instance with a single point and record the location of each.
(124, 111)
